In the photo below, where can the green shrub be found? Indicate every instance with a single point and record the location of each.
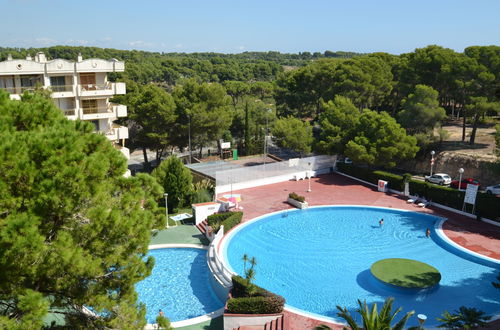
(233, 220)
(256, 305)
(243, 288)
(396, 182)
(217, 218)
(296, 197)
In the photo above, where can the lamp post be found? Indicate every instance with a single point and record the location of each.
(265, 136)
(166, 206)
(460, 171)
(189, 137)
(309, 175)
(432, 160)
(421, 320)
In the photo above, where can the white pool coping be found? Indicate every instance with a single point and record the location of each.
(438, 228)
(194, 320)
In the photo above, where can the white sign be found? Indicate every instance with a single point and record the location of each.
(225, 145)
(382, 185)
(470, 194)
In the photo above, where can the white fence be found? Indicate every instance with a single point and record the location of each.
(216, 265)
(253, 176)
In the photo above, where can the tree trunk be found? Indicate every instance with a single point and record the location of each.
(201, 150)
(145, 154)
(463, 126)
(474, 129)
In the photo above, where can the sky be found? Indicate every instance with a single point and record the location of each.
(235, 26)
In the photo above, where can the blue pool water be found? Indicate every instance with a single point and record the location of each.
(179, 285)
(320, 258)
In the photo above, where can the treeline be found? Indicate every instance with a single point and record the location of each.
(375, 108)
(168, 68)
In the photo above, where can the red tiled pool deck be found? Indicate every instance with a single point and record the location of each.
(336, 189)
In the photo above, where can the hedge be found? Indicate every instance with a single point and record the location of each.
(228, 219)
(249, 298)
(486, 205)
(256, 305)
(217, 218)
(232, 220)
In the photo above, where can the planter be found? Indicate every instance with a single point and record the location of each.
(297, 204)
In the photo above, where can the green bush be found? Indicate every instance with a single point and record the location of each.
(256, 305)
(249, 298)
(396, 182)
(243, 288)
(297, 197)
(227, 219)
(232, 221)
(217, 218)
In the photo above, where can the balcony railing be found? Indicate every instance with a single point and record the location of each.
(89, 111)
(61, 88)
(95, 87)
(69, 112)
(19, 90)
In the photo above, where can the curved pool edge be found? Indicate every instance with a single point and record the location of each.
(194, 320)
(443, 239)
(461, 251)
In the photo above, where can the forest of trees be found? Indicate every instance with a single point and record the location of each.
(237, 96)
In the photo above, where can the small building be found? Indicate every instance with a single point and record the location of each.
(80, 89)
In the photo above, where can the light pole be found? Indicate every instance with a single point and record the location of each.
(309, 175)
(166, 206)
(421, 320)
(460, 171)
(432, 160)
(189, 137)
(265, 135)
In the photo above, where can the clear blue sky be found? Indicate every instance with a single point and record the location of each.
(233, 26)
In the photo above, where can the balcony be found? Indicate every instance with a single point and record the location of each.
(117, 133)
(106, 89)
(19, 90)
(111, 111)
(62, 91)
(69, 113)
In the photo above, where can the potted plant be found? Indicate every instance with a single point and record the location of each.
(297, 201)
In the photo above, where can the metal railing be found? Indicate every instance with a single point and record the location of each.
(61, 88)
(95, 87)
(18, 90)
(89, 111)
(69, 112)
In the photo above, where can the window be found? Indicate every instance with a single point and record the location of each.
(58, 84)
(89, 106)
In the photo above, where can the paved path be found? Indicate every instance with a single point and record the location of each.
(335, 189)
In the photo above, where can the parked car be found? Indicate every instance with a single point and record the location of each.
(438, 178)
(493, 190)
(464, 183)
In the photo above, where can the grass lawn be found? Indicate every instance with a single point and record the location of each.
(406, 273)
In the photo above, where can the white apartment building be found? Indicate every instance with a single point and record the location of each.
(80, 89)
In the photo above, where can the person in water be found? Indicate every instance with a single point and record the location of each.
(428, 233)
(381, 222)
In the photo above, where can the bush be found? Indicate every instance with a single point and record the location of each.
(298, 198)
(163, 322)
(256, 305)
(243, 288)
(249, 298)
(233, 220)
(227, 219)
(217, 218)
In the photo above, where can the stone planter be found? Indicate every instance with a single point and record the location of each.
(297, 204)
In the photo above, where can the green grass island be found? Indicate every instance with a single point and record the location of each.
(405, 273)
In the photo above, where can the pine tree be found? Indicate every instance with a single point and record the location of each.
(73, 231)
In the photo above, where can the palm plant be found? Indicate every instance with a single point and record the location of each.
(372, 319)
(464, 318)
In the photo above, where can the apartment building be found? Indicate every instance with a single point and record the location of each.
(80, 89)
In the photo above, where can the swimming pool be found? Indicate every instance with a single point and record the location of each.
(178, 285)
(320, 258)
